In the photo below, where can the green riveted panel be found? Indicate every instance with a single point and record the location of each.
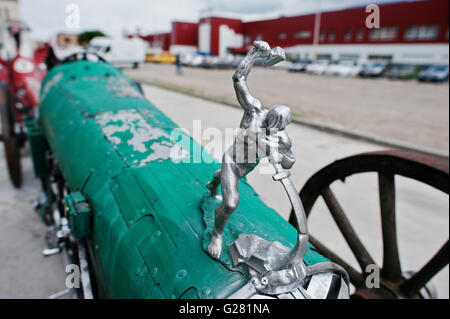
(136, 170)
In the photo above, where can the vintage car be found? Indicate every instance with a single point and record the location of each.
(20, 83)
(126, 201)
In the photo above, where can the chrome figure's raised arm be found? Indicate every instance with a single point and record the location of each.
(245, 98)
(274, 270)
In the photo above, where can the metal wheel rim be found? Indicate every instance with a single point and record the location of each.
(387, 164)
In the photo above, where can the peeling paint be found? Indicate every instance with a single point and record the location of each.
(123, 88)
(162, 152)
(91, 78)
(138, 141)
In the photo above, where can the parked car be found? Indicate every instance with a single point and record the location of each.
(164, 57)
(119, 52)
(344, 68)
(299, 66)
(185, 58)
(402, 72)
(196, 61)
(374, 69)
(435, 73)
(317, 67)
(209, 62)
(226, 62)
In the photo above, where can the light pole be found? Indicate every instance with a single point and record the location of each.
(316, 36)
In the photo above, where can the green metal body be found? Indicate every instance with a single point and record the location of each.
(146, 230)
(79, 214)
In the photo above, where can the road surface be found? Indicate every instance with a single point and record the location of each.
(406, 111)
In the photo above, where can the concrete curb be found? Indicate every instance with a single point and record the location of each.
(314, 124)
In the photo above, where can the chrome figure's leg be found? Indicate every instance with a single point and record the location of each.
(214, 183)
(229, 177)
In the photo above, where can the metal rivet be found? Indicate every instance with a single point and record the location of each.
(264, 281)
(205, 291)
(181, 273)
(156, 234)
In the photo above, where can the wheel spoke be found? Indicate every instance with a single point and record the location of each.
(412, 286)
(391, 262)
(352, 239)
(355, 277)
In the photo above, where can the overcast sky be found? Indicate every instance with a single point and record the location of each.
(47, 17)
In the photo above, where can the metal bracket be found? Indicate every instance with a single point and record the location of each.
(78, 213)
(265, 263)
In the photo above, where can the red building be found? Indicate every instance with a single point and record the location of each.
(217, 34)
(410, 31)
(184, 34)
(348, 26)
(159, 40)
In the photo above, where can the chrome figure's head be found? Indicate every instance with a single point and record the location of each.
(278, 117)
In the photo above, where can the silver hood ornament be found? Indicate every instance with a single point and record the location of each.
(275, 270)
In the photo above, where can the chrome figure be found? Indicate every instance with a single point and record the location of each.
(261, 134)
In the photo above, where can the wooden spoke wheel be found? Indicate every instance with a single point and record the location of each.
(388, 164)
(11, 141)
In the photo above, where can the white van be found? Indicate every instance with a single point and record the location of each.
(120, 52)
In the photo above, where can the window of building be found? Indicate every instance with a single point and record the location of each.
(411, 33)
(360, 35)
(422, 32)
(383, 34)
(322, 36)
(247, 39)
(380, 57)
(282, 35)
(332, 36)
(349, 56)
(302, 34)
(348, 35)
(259, 37)
(324, 56)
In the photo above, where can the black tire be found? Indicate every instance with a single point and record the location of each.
(11, 142)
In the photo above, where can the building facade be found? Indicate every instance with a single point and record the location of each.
(413, 32)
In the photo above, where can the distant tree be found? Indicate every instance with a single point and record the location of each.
(85, 37)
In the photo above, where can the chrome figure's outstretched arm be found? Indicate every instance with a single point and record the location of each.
(245, 98)
(233, 167)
